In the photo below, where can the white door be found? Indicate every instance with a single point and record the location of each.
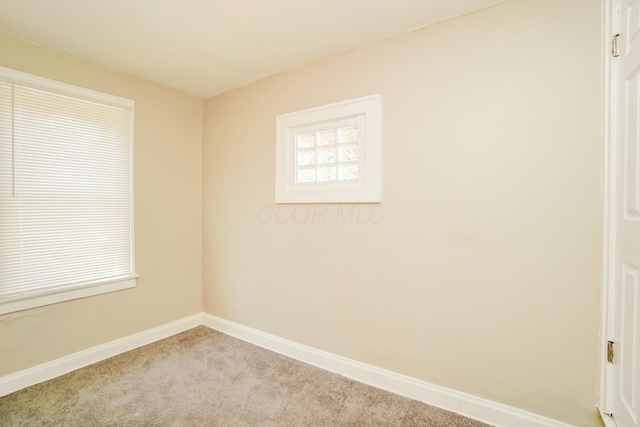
(625, 215)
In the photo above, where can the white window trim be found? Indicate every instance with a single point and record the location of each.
(56, 296)
(368, 187)
(49, 85)
(79, 290)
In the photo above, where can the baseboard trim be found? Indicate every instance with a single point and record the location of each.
(46, 371)
(606, 420)
(484, 410)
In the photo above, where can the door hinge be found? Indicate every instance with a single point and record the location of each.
(614, 46)
(610, 351)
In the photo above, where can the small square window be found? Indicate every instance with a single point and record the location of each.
(330, 154)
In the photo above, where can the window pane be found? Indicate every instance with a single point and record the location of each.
(306, 176)
(348, 173)
(306, 158)
(349, 134)
(348, 153)
(327, 137)
(306, 140)
(327, 174)
(327, 155)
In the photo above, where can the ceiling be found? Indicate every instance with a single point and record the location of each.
(205, 47)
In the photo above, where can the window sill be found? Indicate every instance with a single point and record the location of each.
(26, 302)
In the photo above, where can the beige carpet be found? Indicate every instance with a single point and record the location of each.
(205, 378)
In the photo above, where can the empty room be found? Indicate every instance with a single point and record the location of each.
(329, 213)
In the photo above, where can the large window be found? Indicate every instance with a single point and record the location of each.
(66, 206)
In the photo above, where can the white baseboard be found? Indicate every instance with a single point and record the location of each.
(484, 410)
(606, 420)
(468, 405)
(46, 371)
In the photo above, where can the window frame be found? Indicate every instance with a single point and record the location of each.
(366, 111)
(86, 289)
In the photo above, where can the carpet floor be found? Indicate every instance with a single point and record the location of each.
(205, 378)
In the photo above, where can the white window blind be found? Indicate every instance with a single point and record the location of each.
(65, 191)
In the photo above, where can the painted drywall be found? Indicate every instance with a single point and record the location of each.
(167, 173)
(480, 269)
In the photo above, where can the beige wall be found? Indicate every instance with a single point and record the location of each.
(482, 273)
(168, 149)
(479, 271)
